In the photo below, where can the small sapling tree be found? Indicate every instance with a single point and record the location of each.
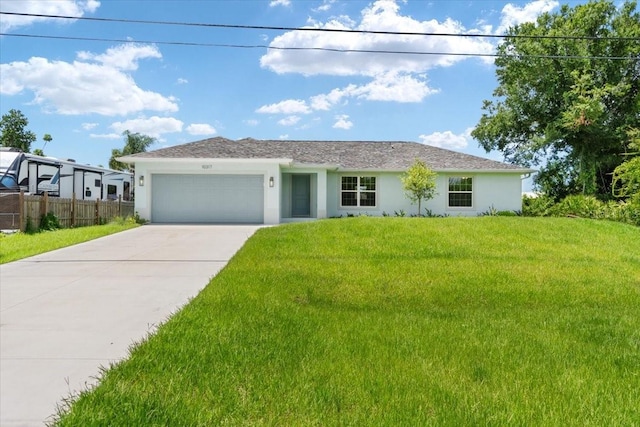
(419, 183)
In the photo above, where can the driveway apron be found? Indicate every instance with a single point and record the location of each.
(67, 313)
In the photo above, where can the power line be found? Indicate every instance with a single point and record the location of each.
(321, 49)
(330, 30)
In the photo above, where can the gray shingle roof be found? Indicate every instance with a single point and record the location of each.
(350, 155)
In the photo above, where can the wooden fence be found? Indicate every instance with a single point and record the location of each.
(17, 209)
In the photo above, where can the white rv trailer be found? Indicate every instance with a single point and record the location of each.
(61, 178)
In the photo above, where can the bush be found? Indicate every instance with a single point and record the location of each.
(49, 222)
(584, 207)
(506, 213)
(536, 206)
(579, 205)
(29, 228)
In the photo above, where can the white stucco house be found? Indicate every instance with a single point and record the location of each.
(220, 180)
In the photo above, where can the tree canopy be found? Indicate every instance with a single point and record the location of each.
(568, 93)
(14, 133)
(134, 143)
(419, 183)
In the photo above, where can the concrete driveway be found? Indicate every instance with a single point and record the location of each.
(66, 313)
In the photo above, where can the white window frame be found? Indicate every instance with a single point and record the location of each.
(360, 189)
(450, 192)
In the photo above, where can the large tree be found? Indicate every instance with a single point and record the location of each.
(134, 143)
(569, 91)
(13, 126)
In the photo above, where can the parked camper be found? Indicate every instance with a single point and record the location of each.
(61, 178)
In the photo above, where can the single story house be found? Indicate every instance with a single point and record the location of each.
(219, 180)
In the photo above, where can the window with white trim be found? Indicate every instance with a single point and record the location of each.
(358, 191)
(460, 192)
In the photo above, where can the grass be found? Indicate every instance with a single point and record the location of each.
(17, 246)
(397, 321)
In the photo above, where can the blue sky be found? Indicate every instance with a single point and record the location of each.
(86, 93)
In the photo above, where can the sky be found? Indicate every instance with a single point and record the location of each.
(184, 83)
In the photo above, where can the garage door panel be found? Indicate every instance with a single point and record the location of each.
(207, 198)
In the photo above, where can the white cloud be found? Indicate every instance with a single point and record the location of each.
(201, 129)
(182, 81)
(290, 106)
(152, 126)
(393, 87)
(251, 122)
(89, 126)
(513, 15)
(326, 101)
(447, 139)
(325, 6)
(106, 135)
(39, 7)
(274, 3)
(343, 122)
(123, 57)
(289, 121)
(83, 87)
(285, 136)
(382, 15)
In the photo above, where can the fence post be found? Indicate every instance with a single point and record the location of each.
(120, 205)
(21, 210)
(44, 204)
(73, 209)
(97, 220)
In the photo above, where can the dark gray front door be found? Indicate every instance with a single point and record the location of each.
(300, 195)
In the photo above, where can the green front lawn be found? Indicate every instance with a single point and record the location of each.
(398, 321)
(21, 245)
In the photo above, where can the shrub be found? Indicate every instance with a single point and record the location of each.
(49, 222)
(579, 205)
(29, 228)
(506, 213)
(536, 206)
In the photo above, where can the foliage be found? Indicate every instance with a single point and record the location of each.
(29, 227)
(38, 152)
(626, 177)
(134, 143)
(47, 138)
(419, 183)
(49, 222)
(397, 322)
(13, 131)
(536, 206)
(559, 105)
(579, 205)
(584, 207)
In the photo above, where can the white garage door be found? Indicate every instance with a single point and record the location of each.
(207, 199)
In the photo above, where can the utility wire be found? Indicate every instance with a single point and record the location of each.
(331, 30)
(321, 49)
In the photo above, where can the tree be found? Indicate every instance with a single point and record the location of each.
(14, 134)
(568, 89)
(626, 177)
(46, 138)
(38, 152)
(134, 143)
(419, 183)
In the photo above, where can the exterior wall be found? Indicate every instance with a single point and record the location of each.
(209, 166)
(501, 191)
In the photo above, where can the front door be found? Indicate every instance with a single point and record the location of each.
(300, 195)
